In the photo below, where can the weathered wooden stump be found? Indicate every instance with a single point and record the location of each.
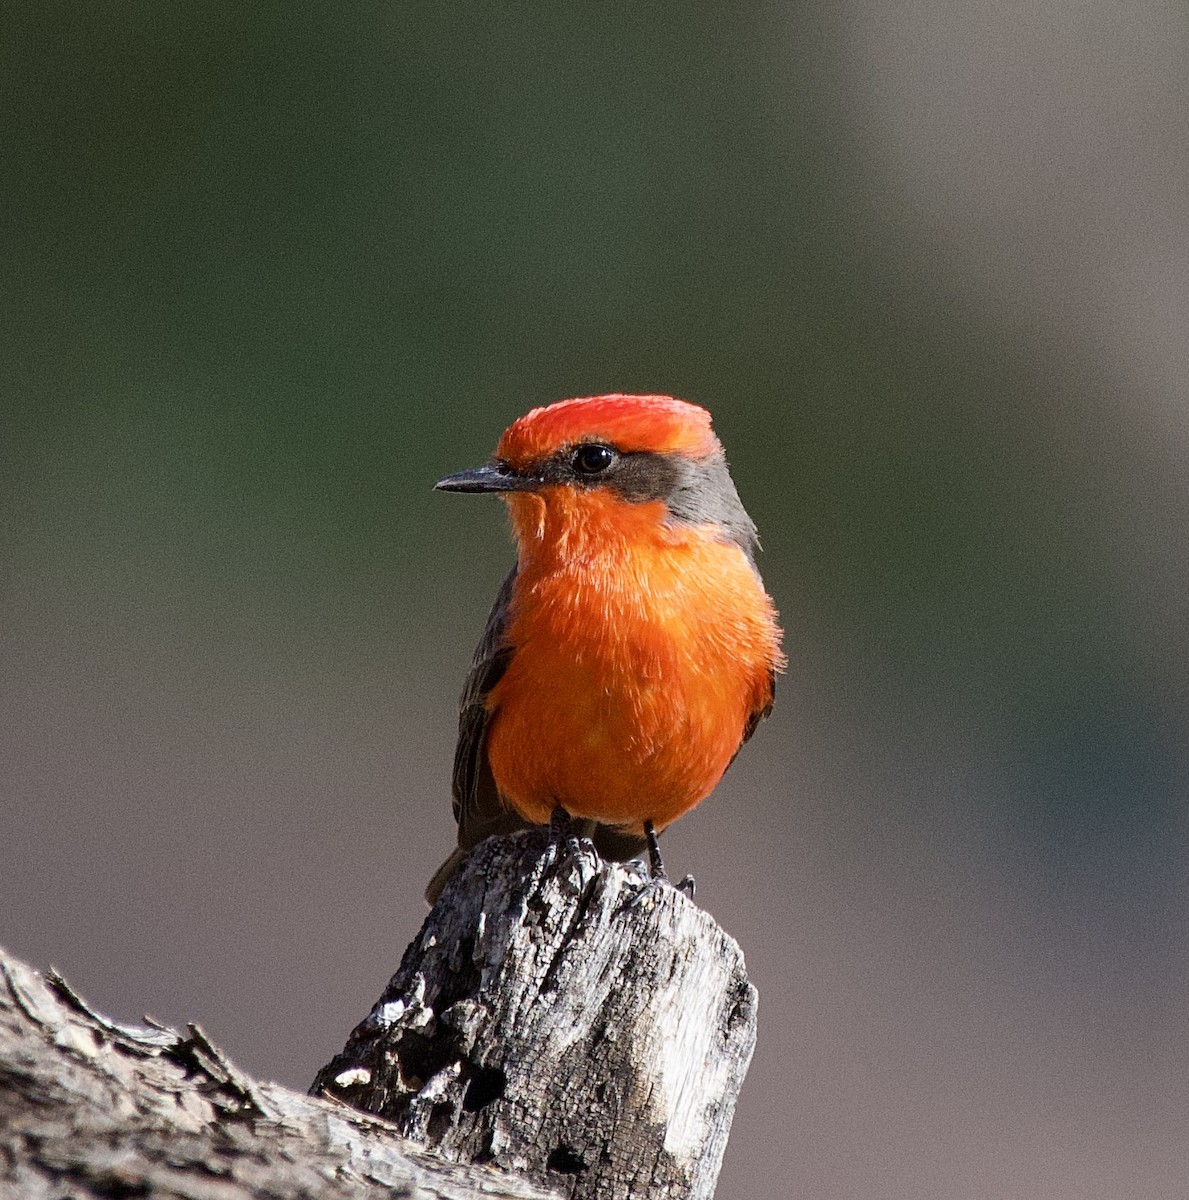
(543, 1023)
(539, 1023)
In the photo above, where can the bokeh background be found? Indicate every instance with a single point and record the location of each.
(271, 269)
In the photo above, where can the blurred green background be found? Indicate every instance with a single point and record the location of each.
(270, 270)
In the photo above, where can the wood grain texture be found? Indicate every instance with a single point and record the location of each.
(540, 1024)
(92, 1109)
(543, 1023)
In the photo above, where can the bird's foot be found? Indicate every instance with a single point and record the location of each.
(657, 876)
(563, 833)
(564, 841)
(653, 885)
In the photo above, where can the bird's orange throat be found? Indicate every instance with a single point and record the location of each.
(641, 647)
(561, 525)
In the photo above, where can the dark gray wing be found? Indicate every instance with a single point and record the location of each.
(760, 714)
(478, 809)
(757, 715)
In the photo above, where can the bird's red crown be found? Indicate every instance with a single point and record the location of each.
(660, 424)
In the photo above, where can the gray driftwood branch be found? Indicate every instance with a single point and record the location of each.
(92, 1109)
(544, 1023)
(542, 1037)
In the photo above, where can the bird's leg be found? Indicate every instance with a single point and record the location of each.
(564, 831)
(656, 866)
(656, 869)
(561, 824)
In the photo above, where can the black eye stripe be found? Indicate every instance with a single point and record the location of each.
(695, 491)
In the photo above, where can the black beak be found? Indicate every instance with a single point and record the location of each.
(495, 477)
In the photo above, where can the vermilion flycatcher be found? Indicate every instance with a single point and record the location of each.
(632, 649)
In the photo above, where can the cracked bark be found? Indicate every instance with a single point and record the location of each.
(541, 1037)
(543, 1024)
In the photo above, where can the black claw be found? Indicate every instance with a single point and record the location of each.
(649, 887)
(687, 886)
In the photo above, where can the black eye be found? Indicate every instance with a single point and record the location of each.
(592, 459)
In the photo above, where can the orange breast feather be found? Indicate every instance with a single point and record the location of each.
(640, 653)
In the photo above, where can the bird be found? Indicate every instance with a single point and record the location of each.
(632, 649)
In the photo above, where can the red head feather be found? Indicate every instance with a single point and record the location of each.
(659, 424)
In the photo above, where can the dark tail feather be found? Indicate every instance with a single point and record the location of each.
(443, 875)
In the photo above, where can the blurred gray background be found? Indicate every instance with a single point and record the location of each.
(271, 269)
